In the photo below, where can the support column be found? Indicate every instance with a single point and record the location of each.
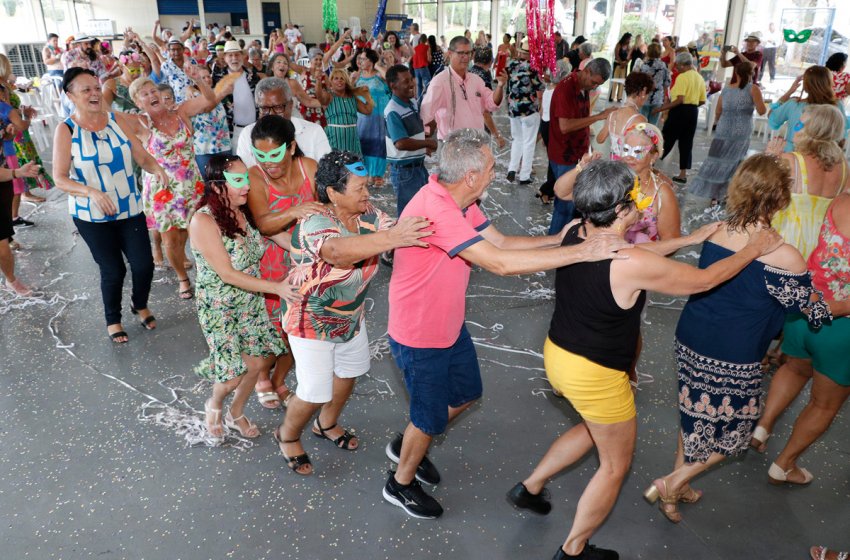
(441, 16)
(202, 18)
(495, 24)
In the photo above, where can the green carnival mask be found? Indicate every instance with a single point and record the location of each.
(274, 156)
(792, 36)
(237, 180)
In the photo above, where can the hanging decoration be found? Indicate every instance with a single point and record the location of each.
(792, 36)
(541, 28)
(380, 18)
(329, 15)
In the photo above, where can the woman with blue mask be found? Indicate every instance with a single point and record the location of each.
(334, 258)
(227, 248)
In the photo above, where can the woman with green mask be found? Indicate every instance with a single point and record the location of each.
(242, 340)
(282, 191)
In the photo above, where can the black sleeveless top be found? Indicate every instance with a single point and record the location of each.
(587, 319)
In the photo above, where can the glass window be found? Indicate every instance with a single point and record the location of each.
(425, 14)
(464, 15)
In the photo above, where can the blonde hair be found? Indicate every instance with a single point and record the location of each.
(138, 84)
(350, 90)
(820, 135)
(5, 68)
(760, 188)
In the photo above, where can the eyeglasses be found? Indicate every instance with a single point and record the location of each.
(269, 109)
(463, 53)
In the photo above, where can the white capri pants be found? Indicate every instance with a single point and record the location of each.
(524, 133)
(317, 361)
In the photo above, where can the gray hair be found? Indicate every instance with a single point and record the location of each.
(684, 59)
(254, 51)
(601, 189)
(562, 70)
(459, 40)
(267, 85)
(461, 154)
(599, 67)
(586, 49)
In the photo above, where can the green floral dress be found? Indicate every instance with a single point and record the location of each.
(26, 152)
(233, 321)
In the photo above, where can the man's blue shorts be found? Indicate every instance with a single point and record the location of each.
(438, 378)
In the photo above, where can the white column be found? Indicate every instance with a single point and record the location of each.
(255, 17)
(202, 18)
(582, 6)
(441, 15)
(495, 23)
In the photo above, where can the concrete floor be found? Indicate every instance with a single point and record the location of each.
(87, 471)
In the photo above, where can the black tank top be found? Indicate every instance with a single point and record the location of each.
(587, 319)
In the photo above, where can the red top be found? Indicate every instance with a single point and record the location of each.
(568, 102)
(420, 55)
(273, 264)
(829, 263)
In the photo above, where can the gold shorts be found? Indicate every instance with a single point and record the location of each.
(600, 394)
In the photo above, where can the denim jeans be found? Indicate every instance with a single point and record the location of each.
(108, 241)
(646, 111)
(563, 210)
(406, 182)
(423, 78)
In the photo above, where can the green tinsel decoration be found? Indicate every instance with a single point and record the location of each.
(329, 15)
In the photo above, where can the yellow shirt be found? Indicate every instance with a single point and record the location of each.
(691, 86)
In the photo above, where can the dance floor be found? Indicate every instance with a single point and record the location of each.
(92, 464)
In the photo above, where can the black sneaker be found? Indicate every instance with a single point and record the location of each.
(426, 471)
(511, 176)
(22, 223)
(387, 258)
(526, 182)
(590, 552)
(412, 499)
(520, 497)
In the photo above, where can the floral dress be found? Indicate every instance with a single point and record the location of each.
(172, 205)
(312, 114)
(721, 339)
(26, 152)
(234, 321)
(211, 133)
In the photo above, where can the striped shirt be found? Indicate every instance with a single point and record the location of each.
(403, 121)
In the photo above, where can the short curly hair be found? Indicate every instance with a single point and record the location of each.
(331, 173)
(637, 82)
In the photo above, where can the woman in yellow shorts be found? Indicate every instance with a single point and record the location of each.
(593, 337)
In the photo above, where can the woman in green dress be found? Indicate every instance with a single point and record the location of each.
(229, 293)
(343, 102)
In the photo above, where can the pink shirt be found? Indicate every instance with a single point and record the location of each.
(428, 285)
(471, 99)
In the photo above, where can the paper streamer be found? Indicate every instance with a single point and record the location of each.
(329, 15)
(541, 39)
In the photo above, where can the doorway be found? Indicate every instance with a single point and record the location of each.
(271, 18)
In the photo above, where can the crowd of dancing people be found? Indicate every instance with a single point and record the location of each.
(261, 159)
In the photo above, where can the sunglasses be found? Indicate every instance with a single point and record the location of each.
(272, 156)
(237, 180)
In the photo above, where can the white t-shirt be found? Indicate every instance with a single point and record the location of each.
(299, 51)
(244, 110)
(309, 136)
(414, 39)
(292, 34)
(546, 104)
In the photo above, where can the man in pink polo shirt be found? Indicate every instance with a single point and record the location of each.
(427, 297)
(458, 99)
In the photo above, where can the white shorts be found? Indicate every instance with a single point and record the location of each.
(317, 361)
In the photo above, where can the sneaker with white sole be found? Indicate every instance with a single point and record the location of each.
(426, 471)
(412, 499)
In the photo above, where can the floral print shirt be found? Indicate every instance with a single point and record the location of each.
(830, 261)
(523, 87)
(332, 301)
(211, 133)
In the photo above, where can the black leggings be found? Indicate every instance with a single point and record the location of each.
(681, 125)
(108, 241)
(547, 188)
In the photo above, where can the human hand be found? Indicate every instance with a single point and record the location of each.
(102, 201)
(603, 246)
(31, 170)
(776, 146)
(160, 175)
(500, 141)
(502, 78)
(10, 132)
(287, 292)
(766, 240)
(656, 110)
(704, 232)
(587, 158)
(408, 232)
(301, 211)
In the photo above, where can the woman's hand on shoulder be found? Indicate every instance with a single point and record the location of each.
(409, 231)
(704, 232)
(604, 246)
(305, 209)
(776, 146)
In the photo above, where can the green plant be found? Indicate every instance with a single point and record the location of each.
(631, 24)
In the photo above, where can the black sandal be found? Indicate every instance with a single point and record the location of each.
(120, 334)
(295, 462)
(342, 442)
(188, 293)
(146, 323)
